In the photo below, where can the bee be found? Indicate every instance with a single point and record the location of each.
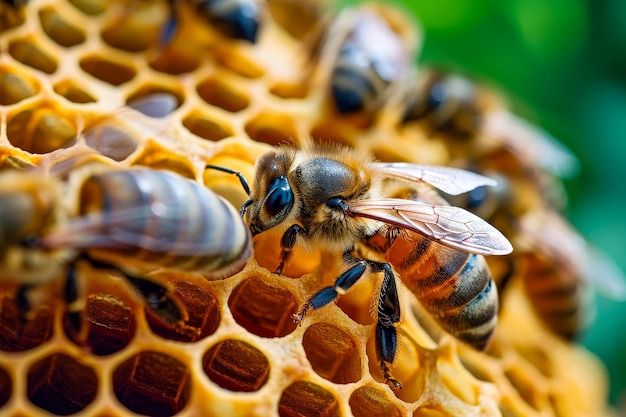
(238, 19)
(369, 59)
(128, 221)
(476, 120)
(331, 199)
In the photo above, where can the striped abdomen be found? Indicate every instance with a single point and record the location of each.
(147, 218)
(454, 287)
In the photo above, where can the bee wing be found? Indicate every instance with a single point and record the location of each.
(533, 143)
(451, 226)
(452, 181)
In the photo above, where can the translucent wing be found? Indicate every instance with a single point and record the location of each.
(451, 226)
(452, 181)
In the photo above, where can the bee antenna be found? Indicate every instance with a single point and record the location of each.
(242, 180)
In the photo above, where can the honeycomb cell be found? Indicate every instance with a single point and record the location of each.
(72, 92)
(90, 7)
(29, 53)
(155, 100)
(114, 73)
(153, 384)
(263, 309)
(309, 14)
(175, 62)
(166, 161)
(429, 411)
(201, 307)
(40, 131)
(59, 29)
(538, 358)
(461, 388)
(15, 88)
(289, 90)
(6, 387)
(271, 128)
(323, 133)
(136, 31)
(110, 324)
(370, 402)
(306, 399)
(112, 141)
(236, 366)
(223, 95)
(333, 354)
(61, 384)
(238, 63)
(206, 127)
(525, 386)
(17, 335)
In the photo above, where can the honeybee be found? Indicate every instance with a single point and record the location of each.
(126, 221)
(477, 121)
(368, 59)
(239, 19)
(330, 198)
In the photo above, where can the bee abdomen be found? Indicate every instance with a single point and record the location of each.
(354, 88)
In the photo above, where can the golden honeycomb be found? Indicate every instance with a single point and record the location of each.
(67, 68)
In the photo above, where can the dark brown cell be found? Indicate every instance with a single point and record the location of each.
(61, 385)
(333, 354)
(220, 94)
(175, 62)
(111, 324)
(263, 309)
(370, 402)
(114, 73)
(206, 127)
(306, 399)
(202, 308)
(72, 92)
(236, 366)
(6, 387)
(18, 335)
(153, 384)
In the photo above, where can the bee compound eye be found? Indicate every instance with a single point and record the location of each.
(279, 198)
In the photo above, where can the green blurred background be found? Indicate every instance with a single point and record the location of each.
(563, 62)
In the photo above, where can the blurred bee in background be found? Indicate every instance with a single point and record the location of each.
(126, 221)
(368, 57)
(331, 199)
(238, 19)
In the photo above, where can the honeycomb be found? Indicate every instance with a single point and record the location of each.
(68, 68)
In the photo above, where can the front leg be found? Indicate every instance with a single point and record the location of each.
(287, 242)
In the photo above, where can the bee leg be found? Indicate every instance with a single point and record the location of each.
(328, 294)
(74, 304)
(287, 242)
(388, 315)
(172, 23)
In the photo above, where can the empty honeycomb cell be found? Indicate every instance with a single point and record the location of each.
(271, 128)
(429, 411)
(112, 141)
(40, 131)
(15, 88)
(6, 386)
(323, 133)
(333, 354)
(110, 324)
(29, 53)
(206, 127)
(134, 32)
(263, 309)
(289, 90)
(114, 73)
(370, 402)
(59, 29)
(236, 366)
(175, 62)
(153, 384)
(61, 384)
(90, 7)
(525, 386)
(306, 399)
(72, 92)
(223, 95)
(16, 334)
(167, 162)
(202, 309)
(234, 60)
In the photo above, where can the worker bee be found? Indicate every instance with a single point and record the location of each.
(331, 199)
(368, 59)
(129, 221)
(238, 19)
(475, 120)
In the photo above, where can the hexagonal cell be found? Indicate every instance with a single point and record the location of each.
(17, 335)
(460, 386)
(61, 385)
(111, 72)
(309, 14)
(112, 141)
(136, 30)
(525, 386)
(238, 62)
(41, 130)
(206, 127)
(324, 133)
(59, 29)
(429, 411)
(15, 87)
(175, 62)
(271, 128)
(289, 90)
(370, 402)
(111, 324)
(156, 100)
(333, 354)
(201, 307)
(157, 159)
(152, 383)
(90, 7)
(72, 92)
(6, 387)
(306, 399)
(236, 366)
(218, 93)
(29, 53)
(263, 309)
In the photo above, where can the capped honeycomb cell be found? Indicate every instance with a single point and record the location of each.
(370, 402)
(306, 399)
(18, 334)
(236, 366)
(110, 324)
